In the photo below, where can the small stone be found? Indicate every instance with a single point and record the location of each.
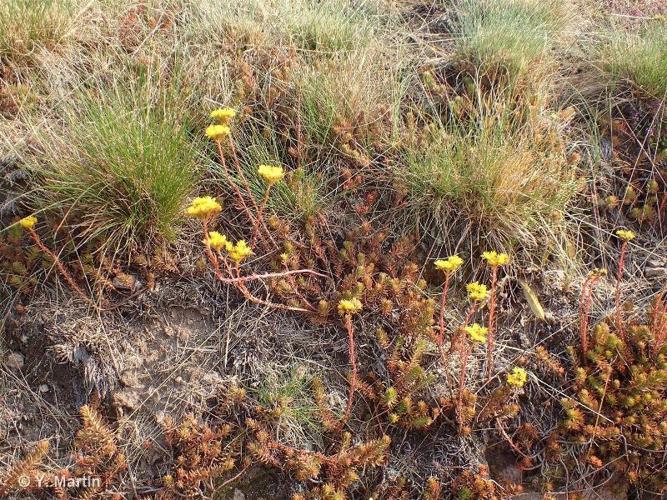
(130, 378)
(14, 361)
(124, 281)
(183, 334)
(44, 388)
(238, 494)
(126, 398)
(655, 272)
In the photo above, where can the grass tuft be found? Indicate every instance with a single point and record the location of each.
(123, 172)
(27, 24)
(288, 394)
(514, 35)
(637, 58)
(327, 26)
(506, 179)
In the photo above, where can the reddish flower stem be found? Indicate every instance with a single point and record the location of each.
(464, 353)
(440, 338)
(239, 170)
(585, 301)
(246, 185)
(492, 313)
(233, 184)
(59, 265)
(212, 257)
(239, 281)
(260, 216)
(353, 362)
(468, 318)
(617, 300)
(443, 304)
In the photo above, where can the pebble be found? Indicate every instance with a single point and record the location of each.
(44, 388)
(655, 269)
(14, 361)
(124, 281)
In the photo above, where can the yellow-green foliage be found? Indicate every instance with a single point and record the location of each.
(329, 141)
(620, 403)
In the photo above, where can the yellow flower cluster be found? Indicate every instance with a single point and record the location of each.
(477, 291)
(217, 132)
(495, 259)
(598, 272)
(28, 222)
(350, 306)
(216, 240)
(450, 264)
(517, 378)
(626, 235)
(270, 173)
(223, 115)
(239, 251)
(204, 207)
(477, 332)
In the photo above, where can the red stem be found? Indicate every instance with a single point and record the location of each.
(239, 170)
(353, 362)
(585, 301)
(233, 184)
(465, 352)
(492, 312)
(457, 335)
(260, 216)
(246, 185)
(617, 301)
(239, 281)
(443, 304)
(59, 265)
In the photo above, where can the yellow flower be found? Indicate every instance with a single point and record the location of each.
(598, 272)
(217, 132)
(203, 207)
(477, 291)
(216, 240)
(239, 251)
(351, 306)
(518, 377)
(223, 115)
(477, 332)
(626, 235)
(450, 264)
(496, 259)
(271, 174)
(28, 222)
